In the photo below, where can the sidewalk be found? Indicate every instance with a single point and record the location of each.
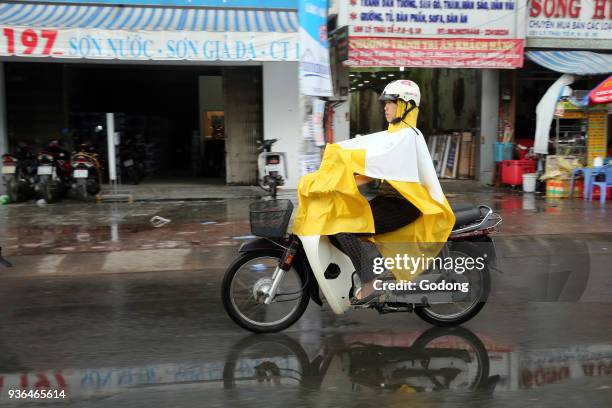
(208, 224)
(188, 191)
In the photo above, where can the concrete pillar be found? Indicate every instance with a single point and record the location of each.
(4, 147)
(489, 112)
(242, 106)
(281, 114)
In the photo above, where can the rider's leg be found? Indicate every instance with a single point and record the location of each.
(362, 256)
(390, 213)
(360, 253)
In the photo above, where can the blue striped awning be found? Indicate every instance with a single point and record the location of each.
(147, 18)
(573, 62)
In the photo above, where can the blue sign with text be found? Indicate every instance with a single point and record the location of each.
(256, 4)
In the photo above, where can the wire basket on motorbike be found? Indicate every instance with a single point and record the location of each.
(270, 218)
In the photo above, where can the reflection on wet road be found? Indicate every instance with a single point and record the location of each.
(73, 228)
(164, 340)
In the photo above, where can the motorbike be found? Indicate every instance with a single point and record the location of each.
(271, 167)
(131, 166)
(19, 173)
(439, 359)
(54, 172)
(268, 287)
(86, 172)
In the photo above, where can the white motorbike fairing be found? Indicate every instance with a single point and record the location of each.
(321, 254)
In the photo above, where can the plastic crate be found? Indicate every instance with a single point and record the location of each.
(557, 188)
(270, 219)
(513, 170)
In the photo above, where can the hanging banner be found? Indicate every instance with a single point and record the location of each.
(315, 73)
(148, 45)
(449, 53)
(436, 33)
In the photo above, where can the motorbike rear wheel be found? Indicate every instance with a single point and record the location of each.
(458, 338)
(81, 189)
(456, 313)
(12, 188)
(46, 189)
(93, 183)
(253, 271)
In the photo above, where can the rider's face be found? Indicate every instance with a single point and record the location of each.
(390, 110)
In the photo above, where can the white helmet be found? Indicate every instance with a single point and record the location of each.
(402, 89)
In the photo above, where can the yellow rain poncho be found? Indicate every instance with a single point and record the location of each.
(330, 203)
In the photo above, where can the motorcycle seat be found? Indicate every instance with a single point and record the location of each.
(465, 214)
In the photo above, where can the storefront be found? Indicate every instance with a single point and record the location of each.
(455, 52)
(562, 38)
(193, 84)
(575, 40)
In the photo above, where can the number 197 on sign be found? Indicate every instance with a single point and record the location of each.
(29, 42)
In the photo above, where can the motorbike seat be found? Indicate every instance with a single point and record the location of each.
(465, 214)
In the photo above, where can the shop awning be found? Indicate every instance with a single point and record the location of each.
(573, 62)
(147, 18)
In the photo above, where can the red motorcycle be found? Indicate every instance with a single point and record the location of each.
(86, 172)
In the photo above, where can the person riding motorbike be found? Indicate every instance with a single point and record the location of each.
(390, 210)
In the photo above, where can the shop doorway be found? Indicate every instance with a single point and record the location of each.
(173, 118)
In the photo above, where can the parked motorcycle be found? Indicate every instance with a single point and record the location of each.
(54, 172)
(131, 166)
(19, 173)
(268, 287)
(271, 166)
(86, 172)
(440, 359)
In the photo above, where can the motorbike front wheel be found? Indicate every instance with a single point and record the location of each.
(249, 276)
(264, 186)
(274, 360)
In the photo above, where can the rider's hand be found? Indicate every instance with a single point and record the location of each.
(362, 180)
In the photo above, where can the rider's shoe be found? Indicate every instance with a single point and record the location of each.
(366, 300)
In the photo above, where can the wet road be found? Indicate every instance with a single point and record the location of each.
(163, 339)
(160, 337)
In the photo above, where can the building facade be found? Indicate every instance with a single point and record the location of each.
(193, 83)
